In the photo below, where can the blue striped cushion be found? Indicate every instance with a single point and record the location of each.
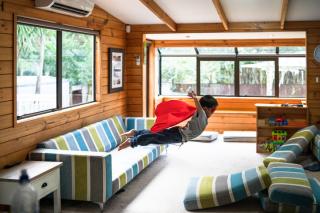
(269, 206)
(126, 165)
(289, 184)
(101, 136)
(293, 147)
(139, 123)
(206, 192)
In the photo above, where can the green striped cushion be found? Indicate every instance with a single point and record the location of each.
(208, 191)
(101, 136)
(293, 147)
(139, 123)
(289, 184)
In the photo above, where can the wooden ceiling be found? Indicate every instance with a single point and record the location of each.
(275, 11)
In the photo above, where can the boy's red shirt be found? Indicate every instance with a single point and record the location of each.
(170, 113)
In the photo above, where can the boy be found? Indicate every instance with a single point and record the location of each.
(194, 127)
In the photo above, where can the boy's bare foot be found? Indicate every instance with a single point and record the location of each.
(124, 144)
(129, 133)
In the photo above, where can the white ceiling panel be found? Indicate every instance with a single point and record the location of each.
(303, 10)
(190, 11)
(224, 36)
(129, 11)
(252, 10)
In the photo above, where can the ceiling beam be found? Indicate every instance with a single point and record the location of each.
(284, 10)
(221, 14)
(154, 7)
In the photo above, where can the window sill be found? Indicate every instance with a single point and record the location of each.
(55, 113)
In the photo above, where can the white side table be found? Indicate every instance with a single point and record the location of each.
(43, 175)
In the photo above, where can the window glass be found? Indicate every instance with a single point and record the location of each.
(257, 78)
(39, 88)
(177, 51)
(292, 50)
(178, 75)
(36, 69)
(256, 50)
(216, 50)
(77, 68)
(292, 79)
(217, 77)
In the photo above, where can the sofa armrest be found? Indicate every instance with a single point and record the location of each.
(84, 175)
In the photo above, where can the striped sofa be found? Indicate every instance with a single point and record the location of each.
(93, 169)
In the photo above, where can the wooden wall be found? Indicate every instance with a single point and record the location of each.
(18, 138)
(313, 67)
(135, 42)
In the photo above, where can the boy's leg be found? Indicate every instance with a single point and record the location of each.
(127, 143)
(134, 133)
(166, 136)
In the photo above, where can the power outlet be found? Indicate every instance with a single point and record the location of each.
(317, 80)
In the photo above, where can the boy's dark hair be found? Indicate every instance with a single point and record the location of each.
(208, 101)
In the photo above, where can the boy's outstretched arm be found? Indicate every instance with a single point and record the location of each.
(193, 95)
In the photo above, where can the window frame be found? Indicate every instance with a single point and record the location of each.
(236, 58)
(59, 30)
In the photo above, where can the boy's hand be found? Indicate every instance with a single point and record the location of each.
(192, 94)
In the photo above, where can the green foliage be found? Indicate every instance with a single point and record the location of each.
(77, 59)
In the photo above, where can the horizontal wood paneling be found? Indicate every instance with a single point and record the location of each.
(6, 67)
(134, 74)
(313, 68)
(16, 140)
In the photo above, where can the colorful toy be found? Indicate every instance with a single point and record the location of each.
(277, 121)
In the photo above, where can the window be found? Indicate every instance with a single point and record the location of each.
(256, 50)
(292, 79)
(216, 51)
(234, 71)
(217, 77)
(55, 67)
(178, 75)
(257, 78)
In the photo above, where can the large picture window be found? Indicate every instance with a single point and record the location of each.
(55, 67)
(234, 71)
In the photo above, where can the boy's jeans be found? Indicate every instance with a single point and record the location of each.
(166, 136)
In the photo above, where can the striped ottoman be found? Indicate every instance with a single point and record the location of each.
(269, 206)
(206, 192)
(289, 184)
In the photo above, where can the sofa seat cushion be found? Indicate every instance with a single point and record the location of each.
(289, 184)
(293, 147)
(128, 163)
(101, 136)
(208, 191)
(269, 206)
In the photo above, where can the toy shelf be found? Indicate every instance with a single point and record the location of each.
(276, 123)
